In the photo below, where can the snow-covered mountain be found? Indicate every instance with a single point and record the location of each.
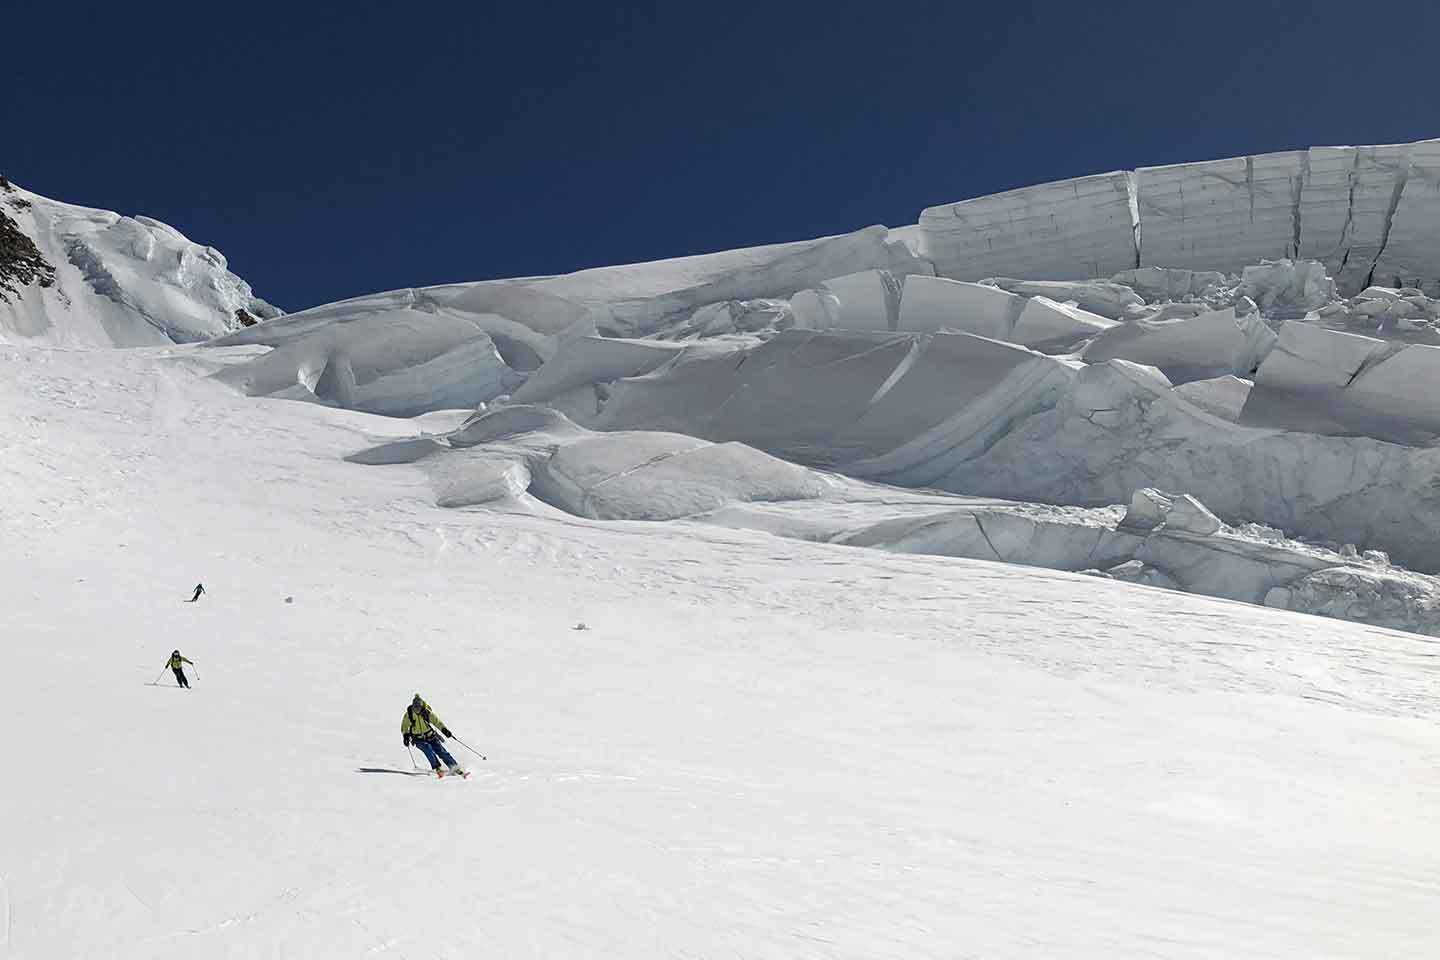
(79, 276)
(729, 566)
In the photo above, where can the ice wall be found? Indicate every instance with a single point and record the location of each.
(1346, 207)
(1068, 230)
(1412, 250)
(1214, 215)
(1371, 211)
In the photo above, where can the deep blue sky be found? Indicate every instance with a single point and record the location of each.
(334, 152)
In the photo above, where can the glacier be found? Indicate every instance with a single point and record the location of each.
(1256, 334)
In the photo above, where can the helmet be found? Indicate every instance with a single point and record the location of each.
(174, 652)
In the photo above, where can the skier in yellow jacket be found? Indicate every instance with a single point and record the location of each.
(424, 729)
(175, 663)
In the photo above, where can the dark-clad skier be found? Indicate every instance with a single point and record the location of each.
(199, 589)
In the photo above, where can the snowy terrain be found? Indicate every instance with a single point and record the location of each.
(809, 600)
(760, 747)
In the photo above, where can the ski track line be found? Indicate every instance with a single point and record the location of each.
(9, 907)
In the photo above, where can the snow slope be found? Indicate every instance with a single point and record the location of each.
(760, 747)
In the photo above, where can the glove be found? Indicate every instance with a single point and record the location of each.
(446, 731)
(406, 737)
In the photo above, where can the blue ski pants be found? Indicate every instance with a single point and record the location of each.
(434, 749)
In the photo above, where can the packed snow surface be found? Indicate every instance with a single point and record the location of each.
(761, 745)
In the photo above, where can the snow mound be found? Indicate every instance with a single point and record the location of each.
(1202, 347)
(630, 475)
(390, 355)
(1395, 600)
(109, 280)
(650, 476)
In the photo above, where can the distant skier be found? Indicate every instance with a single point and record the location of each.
(175, 664)
(423, 728)
(199, 589)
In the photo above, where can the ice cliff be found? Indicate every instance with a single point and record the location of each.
(1370, 214)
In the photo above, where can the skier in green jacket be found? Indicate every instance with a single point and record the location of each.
(424, 729)
(174, 663)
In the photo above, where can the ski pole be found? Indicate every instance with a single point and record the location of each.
(470, 748)
(158, 676)
(410, 750)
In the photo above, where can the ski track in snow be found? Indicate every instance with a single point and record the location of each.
(9, 909)
(760, 748)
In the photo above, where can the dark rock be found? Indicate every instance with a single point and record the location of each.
(20, 261)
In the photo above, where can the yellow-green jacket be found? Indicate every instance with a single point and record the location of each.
(176, 660)
(420, 723)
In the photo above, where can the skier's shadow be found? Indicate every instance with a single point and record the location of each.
(403, 773)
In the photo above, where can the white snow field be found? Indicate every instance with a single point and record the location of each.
(941, 591)
(761, 747)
